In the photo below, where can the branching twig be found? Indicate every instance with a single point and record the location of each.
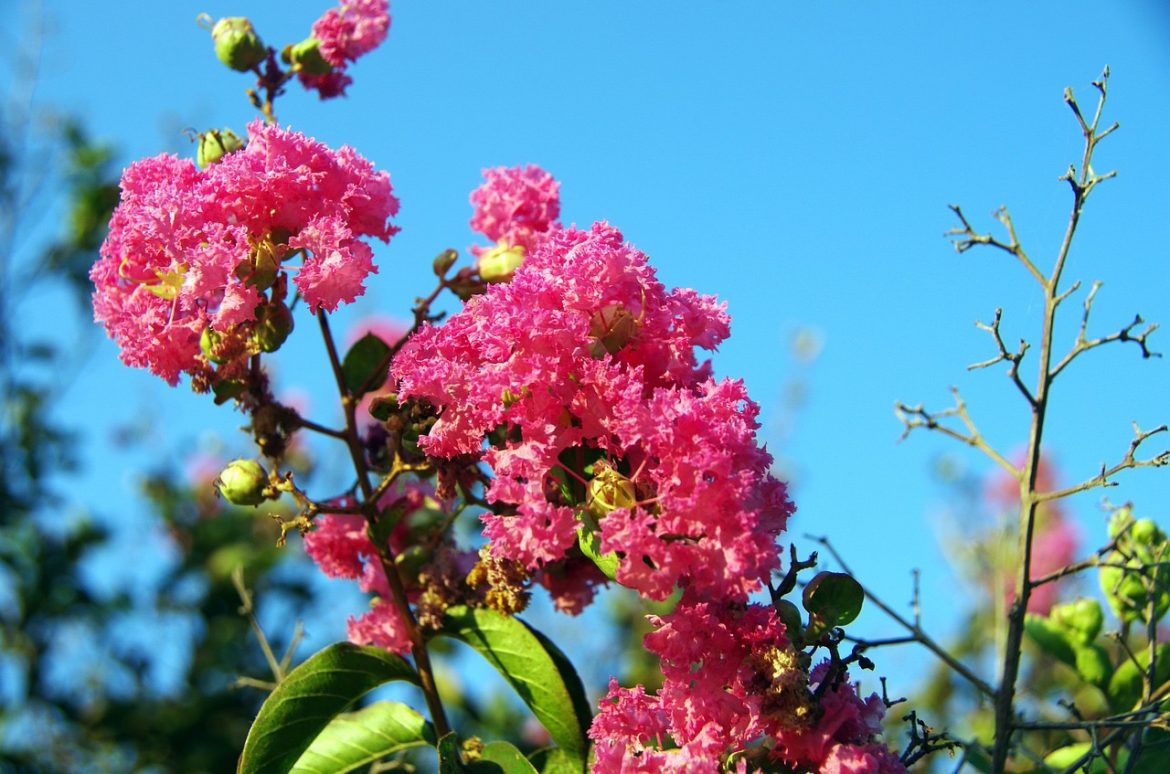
(917, 632)
(1006, 356)
(1130, 461)
(913, 417)
(965, 238)
(1084, 344)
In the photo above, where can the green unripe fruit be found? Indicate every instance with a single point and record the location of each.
(274, 323)
(243, 482)
(443, 262)
(1080, 620)
(214, 145)
(306, 57)
(237, 45)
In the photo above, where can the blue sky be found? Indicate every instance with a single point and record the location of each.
(795, 159)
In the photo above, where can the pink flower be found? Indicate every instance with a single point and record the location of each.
(515, 206)
(862, 759)
(347, 32)
(354, 28)
(339, 546)
(590, 360)
(180, 254)
(381, 626)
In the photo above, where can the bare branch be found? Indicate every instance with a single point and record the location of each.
(965, 237)
(913, 417)
(1130, 461)
(1005, 356)
(915, 630)
(1083, 344)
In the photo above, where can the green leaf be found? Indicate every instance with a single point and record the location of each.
(554, 760)
(834, 597)
(356, 739)
(311, 696)
(1125, 687)
(539, 673)
(360, 366)
(501, 758)
(1064, 757)
(590, 544)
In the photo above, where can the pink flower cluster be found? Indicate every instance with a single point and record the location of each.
(186, 247)
(341, 548)
(584, 354)
(351, 30)
(515, 207)
(731, 679)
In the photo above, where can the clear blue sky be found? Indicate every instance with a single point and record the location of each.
(795, 159)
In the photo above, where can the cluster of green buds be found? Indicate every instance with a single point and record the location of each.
(1069, 634)
(1136, 575)
(237, 45)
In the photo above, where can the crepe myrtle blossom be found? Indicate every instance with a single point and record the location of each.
(731, 680)
(586, 365)
(340, 546)
(342, 34)
(191, 250)
(515, 208)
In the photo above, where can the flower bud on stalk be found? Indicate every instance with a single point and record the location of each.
(500, 263)
(274, 322)
(608, 491)
(236, 43)
(306, 57)
(216, 144)
(209, 344)
(243, 482)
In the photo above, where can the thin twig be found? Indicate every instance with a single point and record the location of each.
(920, 635)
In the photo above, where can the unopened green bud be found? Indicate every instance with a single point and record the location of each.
(261, 270)
(608, 491)
(1145, 532)
(274, 322)
(444, 261)
(216, 144)
(1080, 620)
(209, 342)
(306, 57)
(500, 263)
(236, 44)
(243, 482)
(412, 560)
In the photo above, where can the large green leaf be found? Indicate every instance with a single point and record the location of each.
(539, 673)
(312, 695)
(356, 739)
(360, 365)
(501, 758)
(554, 760)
